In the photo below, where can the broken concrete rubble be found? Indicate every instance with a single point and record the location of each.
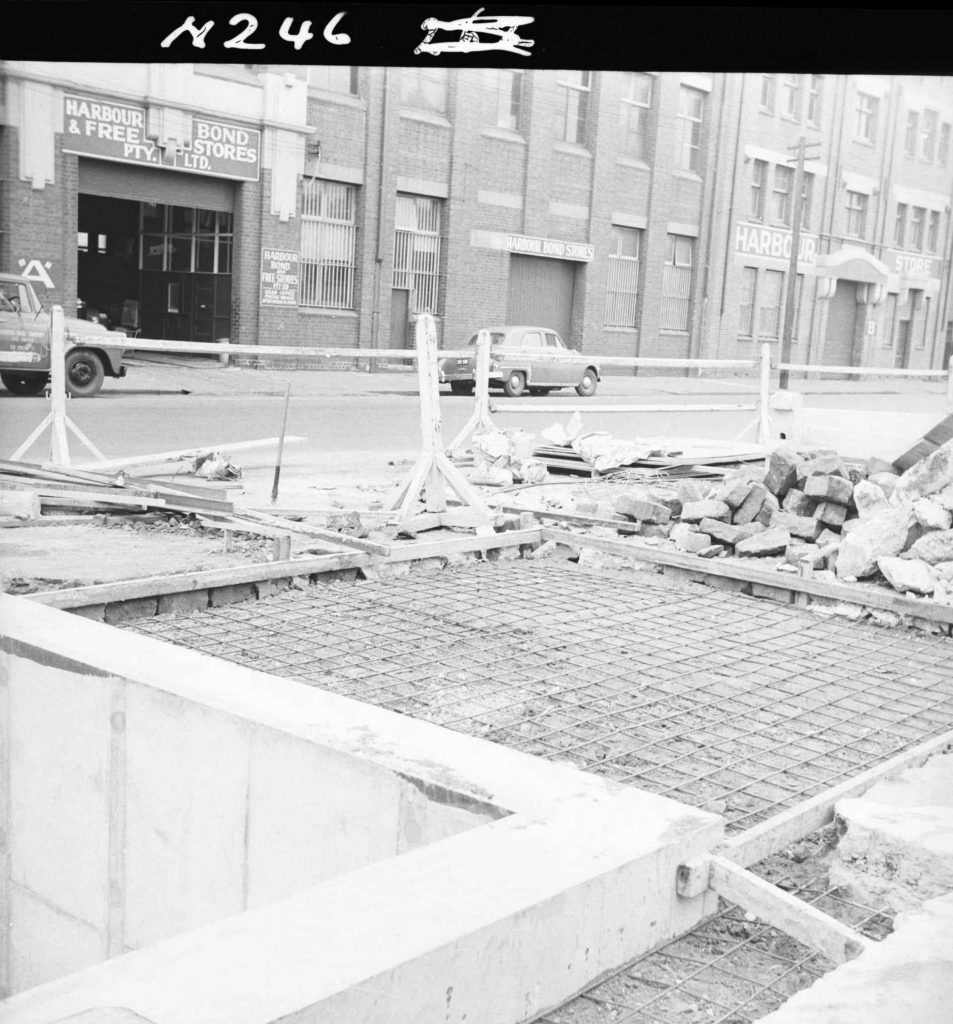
(771, 542)
(931, 515)
(869, 499)
(882, 536)
(828, 488)
(929, 475)
(908, 575)
(933, 547)
(696, 511)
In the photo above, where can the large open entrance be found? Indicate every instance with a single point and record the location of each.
(841, 326)
(155, 251)
(541, 293)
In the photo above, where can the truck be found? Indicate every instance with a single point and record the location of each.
(92, 352)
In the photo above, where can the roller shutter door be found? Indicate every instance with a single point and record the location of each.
(541, 292)
(152, 185)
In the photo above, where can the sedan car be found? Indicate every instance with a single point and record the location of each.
(524, 358)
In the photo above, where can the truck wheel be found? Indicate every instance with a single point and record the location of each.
(586, 388)
(462, 387)
(24, 383)
(514, 384)
(84, 373)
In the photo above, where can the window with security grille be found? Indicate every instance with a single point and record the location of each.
(622, 286)
(503, 89)
(865, 118)
(781, 195)
(333, 78)
(928, 134)
(912, 133)
(327, 244)
(417, 250)
(424, 88)
(900, 225)
(572, 106)
(186, 239)
(634, 111)
(917, 222)
(791, 96)
(676, 284)
(688, 129)
(772, 285)
(856, 214)
(767, 93)
(933, 232)
(815, 99)
(749, 284)
(759, 180)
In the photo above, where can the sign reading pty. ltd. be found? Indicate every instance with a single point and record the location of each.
(117, 131)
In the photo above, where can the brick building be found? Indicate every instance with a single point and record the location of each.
(638, 214)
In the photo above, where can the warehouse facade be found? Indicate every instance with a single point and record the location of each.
(636, 213)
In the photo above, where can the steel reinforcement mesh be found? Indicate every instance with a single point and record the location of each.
(722, 701)
(731, 703)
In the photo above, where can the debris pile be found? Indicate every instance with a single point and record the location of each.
(504, 457)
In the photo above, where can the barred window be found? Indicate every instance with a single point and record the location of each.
(781, 195)
(916, 228)
(623, 277)
(770, 318)
(900, 225)
(424, 88)
(856, 214)
(676, 284)
(417, 250)
(767, 93)
(572, 106)
(503, 96)
(749, 284)
(327, 244)
(333, 78)
(691, 110)
(912, 134)
(792, 96)
(759, 179)
(634, 113)
(815, 99)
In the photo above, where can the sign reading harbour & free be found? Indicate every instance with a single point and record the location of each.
(279, 277)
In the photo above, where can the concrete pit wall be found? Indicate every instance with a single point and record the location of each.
(237, 833)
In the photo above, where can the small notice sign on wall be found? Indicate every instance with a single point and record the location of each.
(279, 277)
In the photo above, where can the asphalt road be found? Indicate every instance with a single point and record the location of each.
(166, 407)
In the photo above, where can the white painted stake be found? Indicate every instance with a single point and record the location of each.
(480, 417)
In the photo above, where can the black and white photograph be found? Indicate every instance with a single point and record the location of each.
(476, 514)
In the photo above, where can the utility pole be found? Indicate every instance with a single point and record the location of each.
(791, 290)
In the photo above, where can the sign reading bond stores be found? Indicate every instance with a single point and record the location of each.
(117, 131)
(552, 247)
(279, 277)
(773, 243)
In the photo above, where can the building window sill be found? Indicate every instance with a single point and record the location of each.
(687, 176)
(340, 99)
(346, 314)
(618, 329)
(631, 161)
(572, 148)
(493, 132)
(426, 116)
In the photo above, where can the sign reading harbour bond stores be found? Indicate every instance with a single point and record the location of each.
(117, 131)
(279, 277)
(526, 245)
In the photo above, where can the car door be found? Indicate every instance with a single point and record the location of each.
(563, 363)
(538, 362)
(24, 330)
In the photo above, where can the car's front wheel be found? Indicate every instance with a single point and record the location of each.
(462, 387)
(24, 383)
(515, 384)
(84, 373)
(586, 388)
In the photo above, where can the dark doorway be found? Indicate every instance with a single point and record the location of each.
(903, 344)
(400, 318)
(108, 256)
(541, 293)
(841, 326)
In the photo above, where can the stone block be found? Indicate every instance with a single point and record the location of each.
(659, 530)
(828, 464)
(908, 574)
(771, 542)
(830, 514)
(829, 488)
(869, 499)
(805, 527)
(798, 503)
(943, 571)
(883, 536)
(642, 510)
(849, 524)
(931, 515)
(765, 515)
(724, 533)
(733, 495)
(20, 504)
(828, 536)
(696, 511)
(688, 491)
(672, 503)
(751, 506)
(782, 470)
(687, 539)
(746, 530)
(713, 551)
(929, 475)
(934, 547)
(796, 553)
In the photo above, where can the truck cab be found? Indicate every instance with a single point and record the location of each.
(92, 352)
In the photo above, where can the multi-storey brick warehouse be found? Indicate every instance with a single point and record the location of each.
(636, 213)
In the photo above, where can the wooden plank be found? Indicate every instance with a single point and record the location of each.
(255, 572)
(213, 348)
(86, 499)
(569, 517)
(779, 831)
(338, 539)
(188, 453)
(86, 520)
(931, 440)
(860, 371)
(549, 408)
(810, 926)
(410, 552)
(733, 568)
